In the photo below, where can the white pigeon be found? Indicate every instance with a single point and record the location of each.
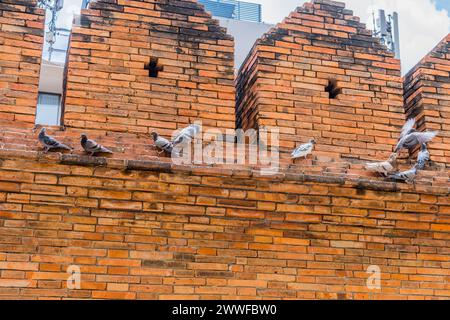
(51, 143)
(304, 150)
(383, 168)
(410, 137)
(187, 134)
(423, 157)
(406, 176)
(92, 147)
(162, 143)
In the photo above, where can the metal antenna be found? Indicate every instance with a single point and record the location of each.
(375, 32)
(54, 6)
(387, 29)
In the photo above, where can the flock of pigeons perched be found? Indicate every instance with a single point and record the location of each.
(93, 148)
(409, 139)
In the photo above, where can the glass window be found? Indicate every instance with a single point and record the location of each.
(48, 109)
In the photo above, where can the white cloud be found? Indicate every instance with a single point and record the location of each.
(422, 26)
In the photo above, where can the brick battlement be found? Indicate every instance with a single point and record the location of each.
(21, 41)
(427, 98)
(321, 47)
(109, 86)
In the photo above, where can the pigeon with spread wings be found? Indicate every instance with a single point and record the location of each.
(411, 138)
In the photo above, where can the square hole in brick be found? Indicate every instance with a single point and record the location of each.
(333, 89)
(153, 67)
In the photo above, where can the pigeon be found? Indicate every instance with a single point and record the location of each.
(383, 168)
(407, 128)
(304, 150)
(161, 143)
(187, 133)
(410, 138)
(51, 143)
(406, 176)
(423, 157)
(92, 147)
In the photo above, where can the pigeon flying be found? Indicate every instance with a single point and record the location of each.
(304, 150)
(50, 143)
(410, 138)
(92, 147)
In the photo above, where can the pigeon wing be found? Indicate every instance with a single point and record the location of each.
(91, 146)
(301, 150)
(164, 144)
(407, 128)
(50, 142)
(425, 137)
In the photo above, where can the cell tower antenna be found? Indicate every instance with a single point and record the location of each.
(387, 29)
(54, 6)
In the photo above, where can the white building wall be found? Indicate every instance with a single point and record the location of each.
(245, 34)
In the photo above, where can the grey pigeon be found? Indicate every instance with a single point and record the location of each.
(406, 176)
(407, 128)
(304, 150)
(51, 143)
(410, 138)
(161, 143)
(383, 168)
(423, 157)
(186, 134)
(92, 147)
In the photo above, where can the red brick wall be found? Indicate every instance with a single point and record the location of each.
(21, 40)
(153, 233)
(427, 98)
(108, 87)
(283, 83)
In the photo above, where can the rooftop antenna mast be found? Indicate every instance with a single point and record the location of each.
(387, 29)
(54, 6)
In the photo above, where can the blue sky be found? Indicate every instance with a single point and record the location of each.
(443, 4)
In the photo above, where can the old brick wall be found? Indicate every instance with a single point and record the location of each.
(148, 231)
(427, 98)
(109, 87)
(141, 228)
(290, 68)
(21, 40)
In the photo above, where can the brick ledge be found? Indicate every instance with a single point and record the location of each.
(285, 175)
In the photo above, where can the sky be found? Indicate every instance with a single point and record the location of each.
(423, 23)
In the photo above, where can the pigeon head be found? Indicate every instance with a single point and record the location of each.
(154, 135)
(312, 141)
(83, 137)
(424, 147)
(36, 127)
